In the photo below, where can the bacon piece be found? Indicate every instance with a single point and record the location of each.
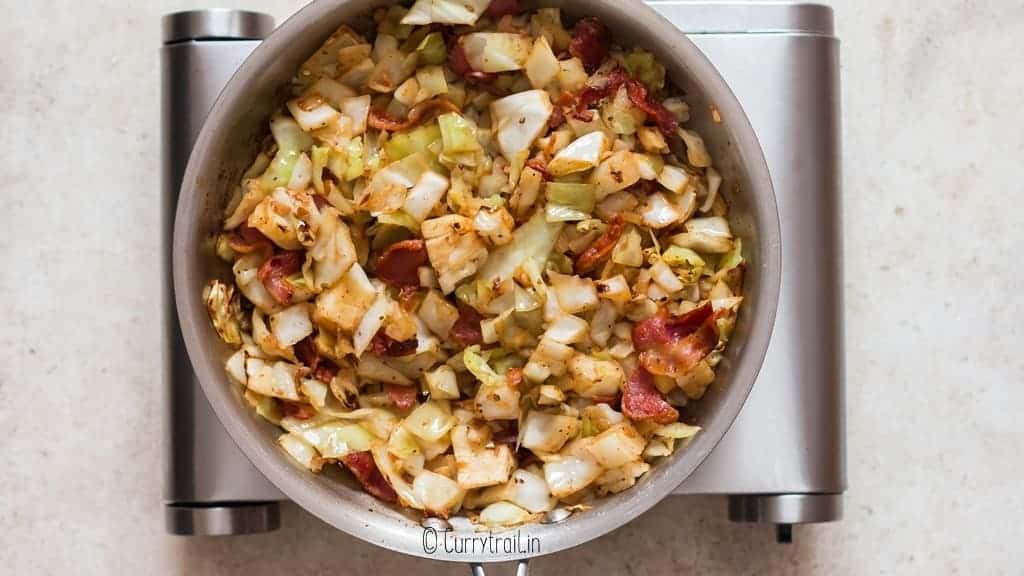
(398, 264)
(459, 64)
(661, 328)
(642, 401)
(419, 113)
(600, 248)
(590, 42)
(637, 92)
(674, 346)
(466, 330)
(499, 8)
(384, 345)
(365, 470)
(403, 397)
(665, 120)
(275, 271)
(245, 239)
(297, 410)
(680, 356)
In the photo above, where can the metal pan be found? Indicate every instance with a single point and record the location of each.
(230, 138)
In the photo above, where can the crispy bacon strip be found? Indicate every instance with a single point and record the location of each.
(365, 470)
(398, 264)
(637, 93)
(673, 346)
(403, 397)
(662, 328)
(679, 357)
(499, 8)
(642, 401)
(245, 239)
(600, 248)
(466, 330)
(590, 42)
(419, 113)
(384, 345)
(275, 271)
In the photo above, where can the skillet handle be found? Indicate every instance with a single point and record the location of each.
(522, 569)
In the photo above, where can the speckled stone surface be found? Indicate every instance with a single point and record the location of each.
(933, 93)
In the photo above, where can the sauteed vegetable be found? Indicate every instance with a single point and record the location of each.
(480, 262)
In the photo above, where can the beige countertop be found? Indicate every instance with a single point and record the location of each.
(932, 96)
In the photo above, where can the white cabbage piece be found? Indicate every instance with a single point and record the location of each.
(710, 235)
(615, 289)
(375, 369)
(665, 277)
(696, 152)
(519, 119)
(442, 383)
(454, 249)
(371, 323)
(334, 252)
(504, 515)
(438, 494)
(292, 324)
(617, 172)
(496, 51)
(529, 490)
(279, 379)
(386, 464)
(235, 366)
(567, 329)
(543, 432)
(621, 478)
(714, 183)
(224, 309)
(430, 421)
(531, 242)
(548, 358)
(617, 446)
(542, 64)
(388, 188)
(574, 293)
(302, 451)
(445, 12)
(342, 306)
(593, 377)
(581, 154)
(478, 465)
(336, 439)
(674, 179)
(658, 212)
(569, 475)
(425, 195)
(438, 314)
(312, 112)
(288, 217)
